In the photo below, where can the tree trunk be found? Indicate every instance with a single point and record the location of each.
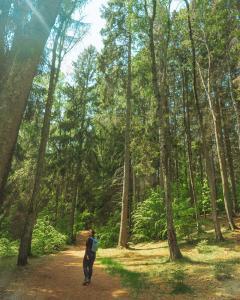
(205, 144)
(163, 120)
(201, 166)
(58, 193)
(26, 239)
(17, 83)
(231, 170)
(189, 147)
(32, 212)
(236, 106)
(5, 9)
(72, 216)
(124, 225)
(217, 123)
(228, 153)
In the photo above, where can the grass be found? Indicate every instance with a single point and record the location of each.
(223, 271)
(7, 263)
(181, 288)
(206, 269)
(135, 281)
(8, 268)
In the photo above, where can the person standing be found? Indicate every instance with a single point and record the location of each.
(89, 257)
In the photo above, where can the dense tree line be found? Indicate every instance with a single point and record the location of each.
(151, 122)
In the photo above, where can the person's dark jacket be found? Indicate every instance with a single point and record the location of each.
(88, 250)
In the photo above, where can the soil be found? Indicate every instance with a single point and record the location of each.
(60, 277)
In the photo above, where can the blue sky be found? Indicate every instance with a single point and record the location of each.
(92, 16)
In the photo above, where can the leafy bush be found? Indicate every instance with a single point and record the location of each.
(184, 211)
(149, 221)
(204, 200)
(183, 218)
(46, 239)
(8, 248)
(83, 220)
(108, 234)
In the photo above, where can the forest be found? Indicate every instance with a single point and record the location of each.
(141, 142)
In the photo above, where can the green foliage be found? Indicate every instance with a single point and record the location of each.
(8, 248)
(178, 275)
(46, 239)
(203, 247)
(83, 220)
(183, 218)
(149, 219)
(149, 222)
(108, 234)
(177, 282)
(204, 200)
(183, 211)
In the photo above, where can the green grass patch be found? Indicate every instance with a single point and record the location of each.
(135, 281)
(8, 269)
(8, 264)
(223, 271)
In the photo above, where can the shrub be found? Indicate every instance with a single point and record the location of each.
(177, 281)
(8, 248)
(149, 221)
(46, 239)
(108, 234)
(83, 220)
(183, 210)
(183, 218)
(204, 200)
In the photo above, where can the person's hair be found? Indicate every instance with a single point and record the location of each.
(93, 231)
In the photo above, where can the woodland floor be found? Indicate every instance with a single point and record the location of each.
(59, 276)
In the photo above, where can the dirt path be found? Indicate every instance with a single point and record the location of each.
(60, 277)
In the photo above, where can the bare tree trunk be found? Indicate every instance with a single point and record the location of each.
(124, 225)
(236, 106)
(72, 216)
(215, 111)
(231, 171)
(205, 144)
(17, 83)
(5, 10)
(201, 166)
(32, 211)
(228, 153)
(187, 128)
(58, 193)
(162, 103)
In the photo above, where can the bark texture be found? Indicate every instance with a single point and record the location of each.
(17, 81)
(162, 103)
(124, 225)
(209, 165)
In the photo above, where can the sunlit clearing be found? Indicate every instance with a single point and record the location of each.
(38, 15)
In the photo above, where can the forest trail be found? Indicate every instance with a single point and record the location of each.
(60, 277)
